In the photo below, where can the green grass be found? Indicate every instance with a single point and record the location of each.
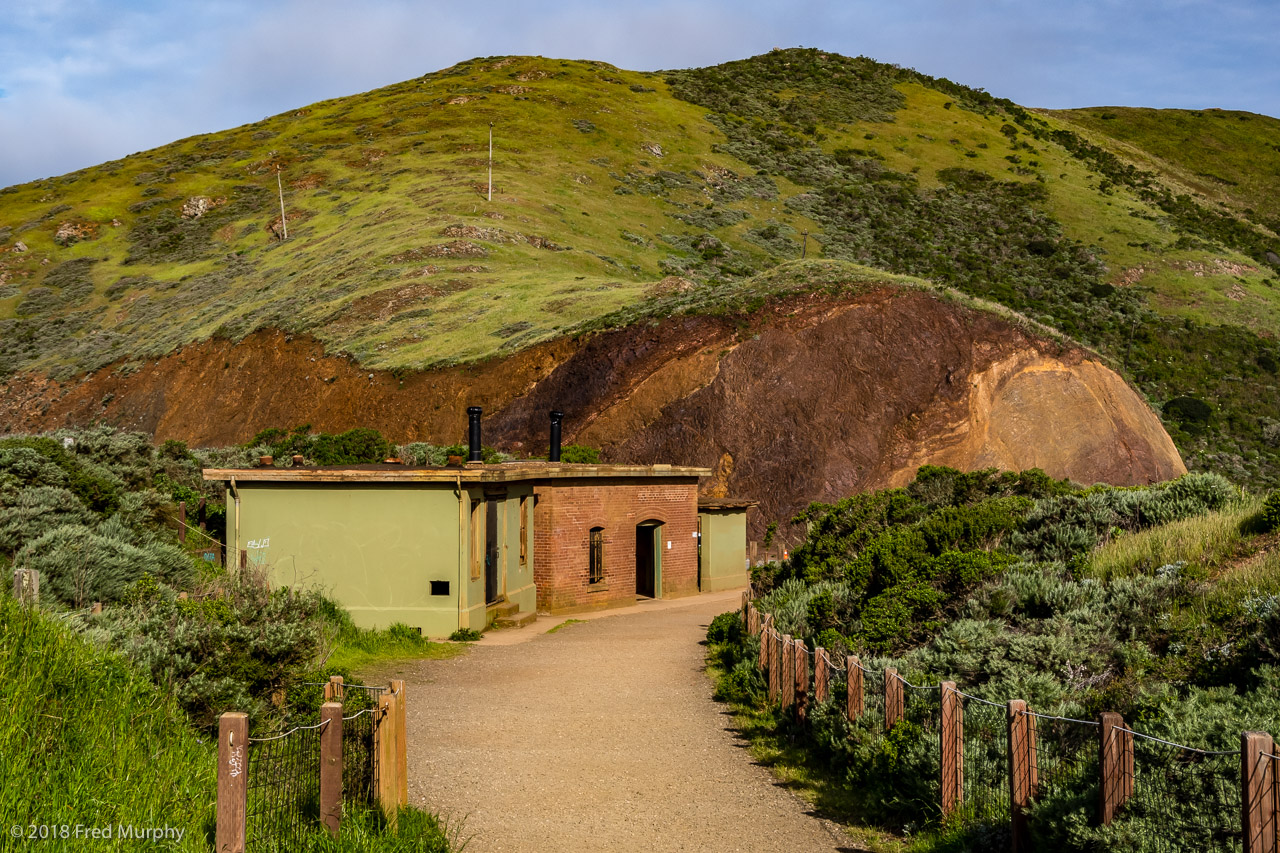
(358, 649)
(376, 179)
(565, 624)
(88, 740)
(1205, 542)
(1216, 153)
(367, 829)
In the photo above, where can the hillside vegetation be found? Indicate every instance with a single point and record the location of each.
(1160, 603)
(108, 715)
(613, 188)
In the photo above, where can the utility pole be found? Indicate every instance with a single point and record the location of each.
(284, 220)
(490, 161)
(804, 247)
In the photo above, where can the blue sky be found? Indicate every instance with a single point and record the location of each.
(92, 80)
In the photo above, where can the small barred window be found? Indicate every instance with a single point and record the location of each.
(596, 573)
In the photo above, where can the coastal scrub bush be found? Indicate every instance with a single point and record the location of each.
(1271, 512)
(236, 646)
(32, 512)
(78, 566)
(359, 446)
(1067, 526)
(725, 628)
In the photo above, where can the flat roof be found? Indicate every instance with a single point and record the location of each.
(503, 472)
(726, 503)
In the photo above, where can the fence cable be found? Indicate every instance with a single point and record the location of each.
(344, 686)
(358, 714)
(980, 699)
(197, 531)
(319, 725)
(917, 686)
(1062, 719)
(1178, 745)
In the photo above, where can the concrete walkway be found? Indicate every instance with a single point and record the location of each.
(600, 737)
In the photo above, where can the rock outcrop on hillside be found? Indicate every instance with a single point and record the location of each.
(816, 399)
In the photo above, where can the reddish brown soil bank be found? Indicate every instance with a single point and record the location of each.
(815, 400)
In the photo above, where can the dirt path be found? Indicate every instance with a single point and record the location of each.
(600, 737)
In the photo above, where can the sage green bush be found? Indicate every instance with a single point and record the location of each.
(79, 566)
(960, 577)
(233, 646)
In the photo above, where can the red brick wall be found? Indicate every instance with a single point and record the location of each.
(564, 514)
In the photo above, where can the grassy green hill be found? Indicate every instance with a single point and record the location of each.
(1226, 156)
(607, 181)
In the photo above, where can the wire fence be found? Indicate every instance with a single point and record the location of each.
(283, 788)
(986, 761)
(359, 758)
(1154, 796)
(1183, 798)
(873, 693)
(1064, 755)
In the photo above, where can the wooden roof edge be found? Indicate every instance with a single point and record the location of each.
(500, 473)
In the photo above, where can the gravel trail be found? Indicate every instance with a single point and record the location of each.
(600, 737)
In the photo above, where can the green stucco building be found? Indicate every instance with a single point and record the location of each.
(447, 548)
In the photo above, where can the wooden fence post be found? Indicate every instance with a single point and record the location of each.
(775, 662)
(200, 514)
(1024, 776)
(331, 766)
(384, 736)
(892, 698)
(802, 680)
(787, 677)
(821, 675)
(1258, 792)
(233, 782)
(853, 687)
(402, 740)
(26, 586)
(1115, 766)
(182, 522)
(951, 757)
(762, 662)
(333, 690)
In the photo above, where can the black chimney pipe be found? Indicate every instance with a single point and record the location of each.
(554, 455)
(473, 434)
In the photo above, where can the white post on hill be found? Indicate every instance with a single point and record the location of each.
(490, 161)
(284, 220)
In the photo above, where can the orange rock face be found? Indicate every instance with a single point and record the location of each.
(815, 399)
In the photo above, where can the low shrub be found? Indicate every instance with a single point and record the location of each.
(236, 646)
(725, 628)
(78, 566)
(580, 454)
(1271, 512)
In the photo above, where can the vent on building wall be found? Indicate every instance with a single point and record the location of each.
(439, 587)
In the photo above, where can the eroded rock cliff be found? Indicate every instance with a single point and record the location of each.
(814, 399)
